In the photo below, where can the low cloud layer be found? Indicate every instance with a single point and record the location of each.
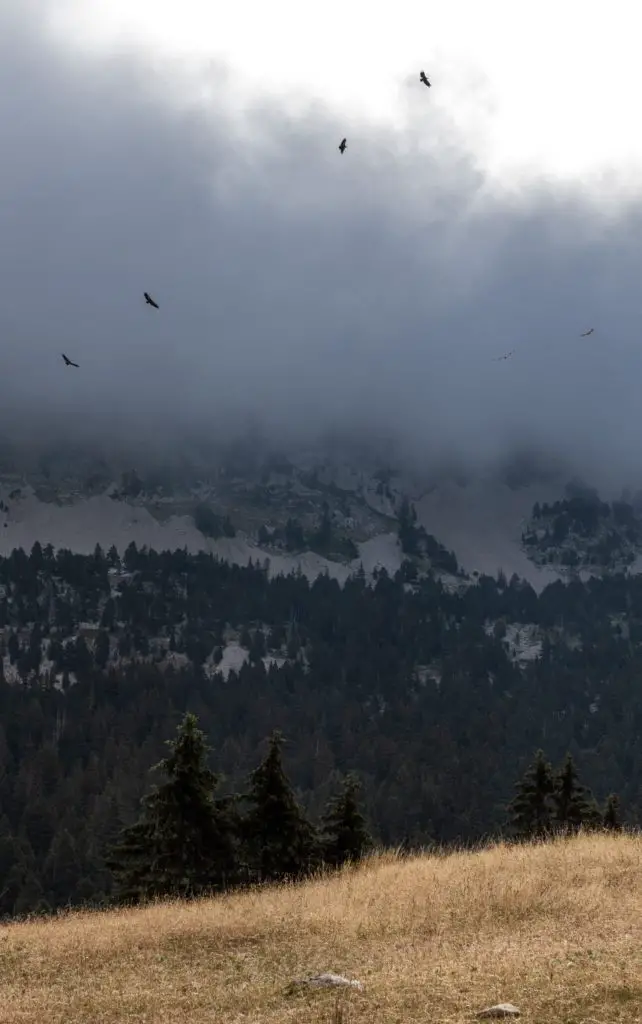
(302, 288)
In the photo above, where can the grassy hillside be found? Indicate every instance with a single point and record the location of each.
(555, 929)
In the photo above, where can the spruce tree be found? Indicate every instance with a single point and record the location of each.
(183, 843)
(131, 862)
(531, 810)
(344, 833)
(574, 804)
(611, 817)
(280, 841)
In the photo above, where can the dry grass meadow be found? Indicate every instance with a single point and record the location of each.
(555, 929)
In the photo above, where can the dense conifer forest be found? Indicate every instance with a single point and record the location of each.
(435, 694)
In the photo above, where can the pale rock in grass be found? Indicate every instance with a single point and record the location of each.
(328, 980)
(499, 1010)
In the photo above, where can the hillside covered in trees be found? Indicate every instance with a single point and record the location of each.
(583, 533)
(435, 695)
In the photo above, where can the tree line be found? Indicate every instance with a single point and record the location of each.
(550, 801)
(188, 841)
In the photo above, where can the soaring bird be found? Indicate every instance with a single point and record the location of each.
(342, 147)
(68, 362)
(586, 333)
(422, 78)
(497, 359)
(149, 300)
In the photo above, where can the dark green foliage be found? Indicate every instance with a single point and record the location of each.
(550, 801)
(344, 833)
(532, 810)
(212, 525)
(257, 648)
(408, 533)
(294, 536)
(183, 843)
(131, 860)
(573, 803)
(583, 530)
(440, 557)
(131, 485)
(281, 842)
(349, 549)
(101, 649)
(322, 538)
(416, 542)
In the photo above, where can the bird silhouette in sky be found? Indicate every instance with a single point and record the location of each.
(149, 300)
(342, 147)
(68, 362)
(422, 78)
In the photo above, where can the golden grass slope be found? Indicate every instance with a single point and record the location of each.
(554, 928)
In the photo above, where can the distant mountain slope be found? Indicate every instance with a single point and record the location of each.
(315, 514)
(482, 523)
(82, 523)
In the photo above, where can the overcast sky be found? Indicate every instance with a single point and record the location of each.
(158, 146)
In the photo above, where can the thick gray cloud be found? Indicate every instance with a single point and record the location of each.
(298, 286)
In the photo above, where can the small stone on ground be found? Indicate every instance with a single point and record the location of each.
(500, 1010)
(328, 980)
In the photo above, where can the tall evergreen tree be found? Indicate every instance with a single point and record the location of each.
(611, 818)
(531, 810)
(280, 841)
(574, 804)
(344, 833)
(183, 843)
(131, 862)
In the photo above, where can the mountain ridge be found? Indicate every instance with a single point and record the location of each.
(247, 506)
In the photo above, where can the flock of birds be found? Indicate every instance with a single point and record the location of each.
(150, 302)
(343, 145)
(507, 355)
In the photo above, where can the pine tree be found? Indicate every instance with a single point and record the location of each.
(131, 862)
(280, 841)
(183, 843)
(574, 804)
(611, 817)
(344, 833)
(531, 810)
